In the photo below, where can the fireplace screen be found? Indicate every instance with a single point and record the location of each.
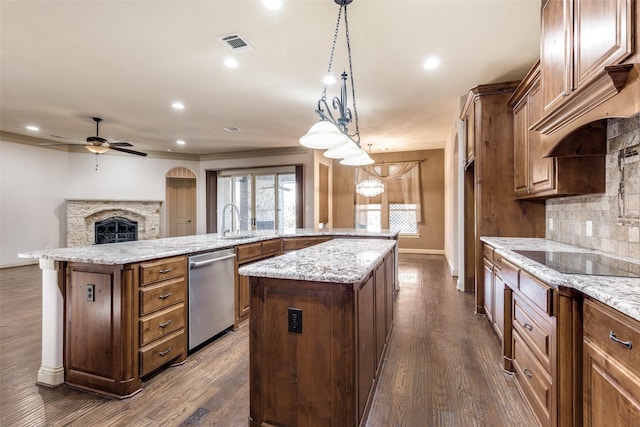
(116, 229)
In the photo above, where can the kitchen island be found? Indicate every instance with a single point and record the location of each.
(320, 320)
(126, 315)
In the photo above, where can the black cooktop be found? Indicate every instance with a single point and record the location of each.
(584, 263)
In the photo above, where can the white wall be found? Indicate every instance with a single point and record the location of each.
(35, 181)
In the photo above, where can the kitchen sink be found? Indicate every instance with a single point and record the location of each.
(236, 236)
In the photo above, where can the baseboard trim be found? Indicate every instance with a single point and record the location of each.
(421, 251)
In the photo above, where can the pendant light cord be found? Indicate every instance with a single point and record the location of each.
(353, 86)
(333, 49)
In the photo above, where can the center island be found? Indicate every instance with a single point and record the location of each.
(320, 321)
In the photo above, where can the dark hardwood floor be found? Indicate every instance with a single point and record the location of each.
(442, 367)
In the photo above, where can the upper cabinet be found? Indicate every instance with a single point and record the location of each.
(581, 42)
(538, 176)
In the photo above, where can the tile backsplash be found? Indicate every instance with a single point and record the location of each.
(609, 222)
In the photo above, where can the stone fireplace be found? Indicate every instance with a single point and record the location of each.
(83, 214)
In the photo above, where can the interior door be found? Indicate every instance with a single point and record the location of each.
(181, 206)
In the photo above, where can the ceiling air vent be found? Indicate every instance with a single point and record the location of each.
(235, 42)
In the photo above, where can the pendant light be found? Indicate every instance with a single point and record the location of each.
(331, 133)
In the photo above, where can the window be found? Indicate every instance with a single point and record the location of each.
(399, 207)
(266, 200)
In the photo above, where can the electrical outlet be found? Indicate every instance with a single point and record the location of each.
(91, 292)
(550, 224)
(295, 320)
(589, 230)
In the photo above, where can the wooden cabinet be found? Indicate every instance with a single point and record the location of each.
(325, 373)
(250, 252)
(470, 133)
(536, 176)
(123, 322)
(611, 370)
(500, 277)
(534, 346)
(579, 38)
(294, 243)
(162, 313)
(489, 206)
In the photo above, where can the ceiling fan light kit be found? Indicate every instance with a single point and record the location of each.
(332, 133)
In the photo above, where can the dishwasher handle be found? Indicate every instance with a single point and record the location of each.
(199, 264)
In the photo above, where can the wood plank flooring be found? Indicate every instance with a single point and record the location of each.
(442, 367)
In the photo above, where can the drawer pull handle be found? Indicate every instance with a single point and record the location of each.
(499, 260)
(165, 296)
(165, 271)
(528, 327)
(527, 372)
(613, 337)
(165, 324)
(164, 353)
(306, 243)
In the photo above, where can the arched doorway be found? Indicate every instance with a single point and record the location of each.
(181, 202)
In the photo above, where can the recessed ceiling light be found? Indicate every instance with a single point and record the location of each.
(329, 79)
(431, 63)
(177, 105)
(231, 63)
(33, 128)
(272, 4)
(180, 142)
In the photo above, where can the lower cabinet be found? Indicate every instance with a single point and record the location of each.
(611, 368)
(123, 322)
(245, 254)
(322, 369)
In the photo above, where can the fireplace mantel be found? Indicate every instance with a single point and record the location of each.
(83, 213)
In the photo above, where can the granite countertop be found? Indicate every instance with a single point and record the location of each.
(143, 250)
(335, 261)
(620, 293)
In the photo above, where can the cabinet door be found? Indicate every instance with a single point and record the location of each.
(520, 149)
(611, 392)
(366, 343)
(488, 289)
(555, 54)
(243, 298)
(541, 169)
(470, 134)
(498, 307)
(603, 31)
(380, 304)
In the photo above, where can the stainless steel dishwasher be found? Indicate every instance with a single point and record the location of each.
(211, 295)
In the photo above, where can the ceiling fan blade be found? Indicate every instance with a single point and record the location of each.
(124, 150)
(120, 144)
(69, 139)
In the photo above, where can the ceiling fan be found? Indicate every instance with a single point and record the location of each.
(98, 145)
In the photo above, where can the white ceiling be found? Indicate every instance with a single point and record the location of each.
(63, 62)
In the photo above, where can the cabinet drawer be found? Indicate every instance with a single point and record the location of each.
(161, 295)
(538, 292)
(165, 350)
(533, 380)
(508, 271)
(601, 321)
(294, 244)
(162, 269)
(248, 251)
(161, 324)
(272, 247)
(487, 252)
(535, 328)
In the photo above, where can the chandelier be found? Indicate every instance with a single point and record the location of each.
(330, 133)
(370, 188)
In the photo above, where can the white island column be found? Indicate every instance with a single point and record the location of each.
(51, 372)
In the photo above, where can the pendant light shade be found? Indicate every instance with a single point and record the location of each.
(323, 135)
(350, 149)
(360, 160)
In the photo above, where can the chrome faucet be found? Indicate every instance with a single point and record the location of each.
(232, 206)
